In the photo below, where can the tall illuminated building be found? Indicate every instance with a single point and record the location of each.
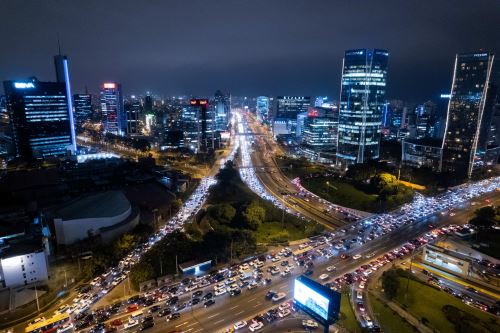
(470, 110)
(133, 110)
(114, 118)
(83, 107)
(362, 99)
(263, 107)
(40, 118)
(222, 110)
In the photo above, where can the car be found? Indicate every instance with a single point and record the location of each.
(197, 293)
(323, 276)
(154, 308)
(174, 316)
(209, 303)
(147, 324)
(356, 257)
(331, 268)
(309, 323)
(252, 285)
(240, 324)
(284, 313)
(270, 294)
(220, 291)
(207, 296)
(278, 297)
(164, 312)
(256, 326)
(283, 306)
(235, 292)
(131, 323)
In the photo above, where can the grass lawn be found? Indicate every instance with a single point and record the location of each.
(426, 302)
(341, 193)
(389, 321)
(347, 317)
(272, 232)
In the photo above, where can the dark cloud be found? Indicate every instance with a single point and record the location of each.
(247, 47)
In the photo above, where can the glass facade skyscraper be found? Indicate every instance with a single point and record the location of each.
(263, 107)
(40, 118)
(222, 110)
(288, 107)
(114, 117)
(83, 107)
(362, 98)
(469, 113)
(133, 111)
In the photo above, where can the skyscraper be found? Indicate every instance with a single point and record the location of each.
(62, 76)
(132, 109)
(222, 107)
(263, 107)
(113, 114)
(40, 118)
(83, 107)
(470, 108)
(362, 98)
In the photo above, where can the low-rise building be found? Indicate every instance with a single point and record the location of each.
(422, 153)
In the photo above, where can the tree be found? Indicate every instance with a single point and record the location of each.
(224, 213)
(254, 215)
(390, 283)
(124, 244)
(484, 217)
(140, 273)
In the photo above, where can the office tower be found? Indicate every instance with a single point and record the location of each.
(425, 119)
(470, 108)
(320, 129)
(40, 118)
(62, 76)
(83, 107)
(148, 103)
(133, 110)
(114, 117)
(288, 107)
(190, 127)
(362, 98)
(263, 107)
(221, 111)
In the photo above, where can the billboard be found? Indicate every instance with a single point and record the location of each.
(320, 302)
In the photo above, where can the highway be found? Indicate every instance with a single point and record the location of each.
(228, 310)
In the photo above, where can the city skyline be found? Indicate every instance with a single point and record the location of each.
(302, 55)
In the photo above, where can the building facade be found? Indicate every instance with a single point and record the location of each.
(133, 111)
(262, 107)
(113, 113)
(40, 118)
(222, 110)
(83, 108)
(288, 107)
(422, 153)
(362, 99)
(469, 113)
(320, 129)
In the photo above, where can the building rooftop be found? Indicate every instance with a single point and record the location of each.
(104, 204)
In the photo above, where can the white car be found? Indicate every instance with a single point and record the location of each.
(284, 306)
(309, 323)
(256, 326)
(279, 296)
(220, 291)
(331, 268)
(131, 323)
(240, 324)
(356, 257)
(323, 276)
(252, 285)
(284, 313)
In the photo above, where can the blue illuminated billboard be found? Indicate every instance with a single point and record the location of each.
(320, 302)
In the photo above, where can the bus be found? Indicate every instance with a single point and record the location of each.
(53, 324)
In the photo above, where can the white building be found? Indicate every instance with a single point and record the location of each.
(107, 214)
(23, 269)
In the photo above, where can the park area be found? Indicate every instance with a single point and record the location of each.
(441, 311)
(366, 187)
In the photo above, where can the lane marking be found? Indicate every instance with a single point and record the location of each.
(256, 305)
(191, 324)
(234, 307)
(198, 330)
(239, 313)
(215, 315)
(184, 323)
(251, 299)
(219, 321)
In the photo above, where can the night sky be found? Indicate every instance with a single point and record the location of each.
(269, 47)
